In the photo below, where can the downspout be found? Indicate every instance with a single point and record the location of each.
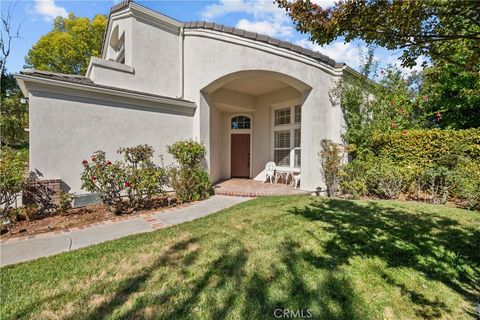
(182, 75)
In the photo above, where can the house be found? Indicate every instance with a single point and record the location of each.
(248, 97)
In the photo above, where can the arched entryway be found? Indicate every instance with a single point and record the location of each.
(254, 117)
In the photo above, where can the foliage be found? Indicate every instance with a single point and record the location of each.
(13, 119)
(433, 28)
(392, 104)
(190, 184)
(126, 185)
(426, 146)
(12, 170)
(386, 179)
(468, 183)
(331, 157)
(188, 153)
(353, 178)
(65, 201)
(190, 181)
(453, 96)
(106, 178)
(69, 46)
(439, 179)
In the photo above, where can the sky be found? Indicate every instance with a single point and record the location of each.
(262, 16)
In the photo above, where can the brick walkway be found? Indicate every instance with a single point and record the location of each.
(253, 188)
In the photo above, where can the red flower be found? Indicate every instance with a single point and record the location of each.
(84, 162)
(404, 132)
(94, 178)
(109, 162)
(394, 125)
(392, 102)
(399, 111)
(127, 184)
(93, 158)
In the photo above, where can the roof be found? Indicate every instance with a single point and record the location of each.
(245, 34)
(263, 38)
(83, 80)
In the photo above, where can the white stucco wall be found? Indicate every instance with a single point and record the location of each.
(152, 49)
(207, 59)
(65, 129)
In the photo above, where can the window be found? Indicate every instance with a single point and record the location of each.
(298, 114)
(240, 122)
(287, 136)
(282, 116)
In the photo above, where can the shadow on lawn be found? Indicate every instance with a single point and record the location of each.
(439, 247)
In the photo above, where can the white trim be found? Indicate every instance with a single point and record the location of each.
(292, 126)
(106, 64)
(266, 47)
(164, 103)
(240, 131)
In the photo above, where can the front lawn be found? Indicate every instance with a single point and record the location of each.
(339, 259)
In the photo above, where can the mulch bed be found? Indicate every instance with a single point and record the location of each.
(75, 217)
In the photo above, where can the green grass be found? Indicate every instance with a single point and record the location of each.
(340, 259)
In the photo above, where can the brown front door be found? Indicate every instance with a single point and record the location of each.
(240, 156)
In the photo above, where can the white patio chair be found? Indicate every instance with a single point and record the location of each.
(270, 171)
(296, 180)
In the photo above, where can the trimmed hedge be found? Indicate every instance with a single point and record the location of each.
(425, 146)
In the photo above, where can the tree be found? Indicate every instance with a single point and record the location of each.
(69, 46)
(453, 94)
(8, 34)
(391, 103)
(429, 27)
(13, 114)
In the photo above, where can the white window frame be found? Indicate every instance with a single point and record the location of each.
(291, 127)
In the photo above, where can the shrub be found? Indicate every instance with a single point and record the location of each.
(65, 201)
(468, 186)
(439, 181)
(425, 146)
(386, 179)
(190, 181)
(331, 160)
(188, 153)
(353, 180)
(191, 184)
(126, 185)
(12, 169)
(106, 178)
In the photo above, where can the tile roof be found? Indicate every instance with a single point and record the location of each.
(263, 38)
(79, 79)
(249, 35)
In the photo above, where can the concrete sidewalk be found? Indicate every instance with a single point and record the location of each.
(51, 243)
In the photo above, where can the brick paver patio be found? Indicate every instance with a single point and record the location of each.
(253, 188)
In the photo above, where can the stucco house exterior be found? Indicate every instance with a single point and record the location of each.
(248, 97)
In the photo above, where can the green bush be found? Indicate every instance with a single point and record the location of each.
(386, 179)
(126, 185)
(425, 146)
(190, 181)
(468, 186)
(191, 184)
(188, 153)
(12, 181)
(331, 157)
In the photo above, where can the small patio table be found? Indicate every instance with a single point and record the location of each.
(285, 173)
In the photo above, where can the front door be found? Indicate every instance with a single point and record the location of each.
(240, 156)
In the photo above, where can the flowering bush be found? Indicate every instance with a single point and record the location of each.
(105, 178)
(126, 185)
(189, 180)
